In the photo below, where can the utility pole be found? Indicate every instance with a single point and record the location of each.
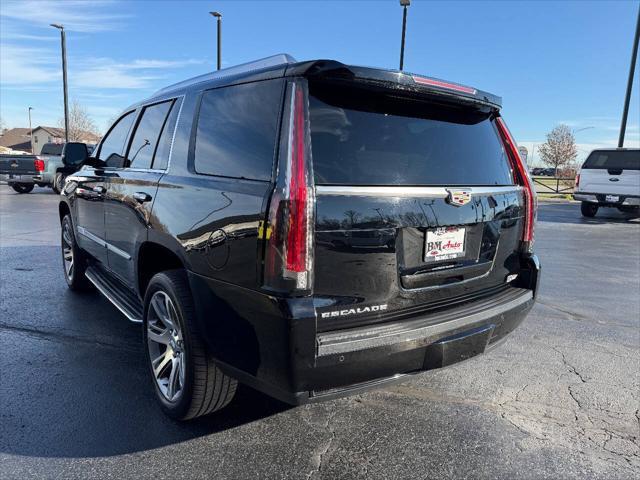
(30, 131)
(64, 79)
(218, 15)
(405, 4)
(627, 99)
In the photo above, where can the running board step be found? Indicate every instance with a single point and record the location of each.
(116, 293)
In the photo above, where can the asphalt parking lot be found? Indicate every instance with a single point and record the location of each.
(560, 399)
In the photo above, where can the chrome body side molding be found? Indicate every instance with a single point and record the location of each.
(401, 191)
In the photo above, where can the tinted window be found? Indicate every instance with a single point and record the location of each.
(146, 135)
(237, 130)
(612, 159)
(112, 148)
(52, 149)
(363, 138)
(161, 158)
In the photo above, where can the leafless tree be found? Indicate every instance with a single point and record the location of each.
(560, 148)
(79, 123)
(352, 217)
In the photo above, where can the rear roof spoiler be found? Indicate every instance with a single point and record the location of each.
(394, 79)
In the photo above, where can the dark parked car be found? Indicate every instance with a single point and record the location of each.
(311, 229)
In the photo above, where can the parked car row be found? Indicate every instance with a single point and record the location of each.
(543, 172)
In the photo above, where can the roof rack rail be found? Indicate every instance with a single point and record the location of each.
(272, 61)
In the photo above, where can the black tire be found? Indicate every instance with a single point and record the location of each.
(589, 209)
(58, 182)
(22, 187)
(76, 280)
(206, 388)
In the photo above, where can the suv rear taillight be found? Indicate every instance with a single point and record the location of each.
(577, 180)
(289, 251)
(522, 177)
(39, 164)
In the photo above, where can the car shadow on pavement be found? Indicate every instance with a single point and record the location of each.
(569, 213)
(79, 406)
(74, 382)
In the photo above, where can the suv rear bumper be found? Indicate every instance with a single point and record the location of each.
(389, 352)
(271, 343)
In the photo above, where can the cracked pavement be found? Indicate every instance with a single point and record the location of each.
(560, 399)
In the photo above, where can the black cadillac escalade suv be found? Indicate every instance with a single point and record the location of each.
(310, 229)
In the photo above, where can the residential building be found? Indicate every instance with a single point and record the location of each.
(19, 139)
(16, 139)
(42, 135)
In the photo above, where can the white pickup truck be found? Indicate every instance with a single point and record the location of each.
(609, 178)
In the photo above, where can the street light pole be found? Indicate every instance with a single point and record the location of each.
(627, 98)
(64, 79)
(405, 4)
(30, 131)
(218, 15)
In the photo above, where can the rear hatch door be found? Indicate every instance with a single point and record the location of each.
(416, 205)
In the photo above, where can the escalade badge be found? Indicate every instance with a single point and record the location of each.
(354, 311)
(458, 197)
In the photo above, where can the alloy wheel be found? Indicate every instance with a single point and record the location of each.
(166, 346)
(67, 250)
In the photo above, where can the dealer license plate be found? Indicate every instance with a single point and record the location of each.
(612, 198)
(444, 243)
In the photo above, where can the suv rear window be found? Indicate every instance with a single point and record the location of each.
(360, 137)
(237, 130)
(614, 160)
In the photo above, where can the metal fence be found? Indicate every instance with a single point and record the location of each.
(560, 185)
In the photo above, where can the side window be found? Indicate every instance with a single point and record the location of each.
(161, 158)
(237, 130)
(146, 136)
(112, 147)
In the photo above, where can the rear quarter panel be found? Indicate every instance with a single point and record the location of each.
(215, 222)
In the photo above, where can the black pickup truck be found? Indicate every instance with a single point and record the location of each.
(47, 169)
(19, 171)
(311, 229)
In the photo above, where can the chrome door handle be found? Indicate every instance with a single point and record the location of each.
(99, 189)
(141, 197)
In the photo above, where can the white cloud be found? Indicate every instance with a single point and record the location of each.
(110, 76)
(8, 32)
(26, 66)
(147, 64)
(75, 15)
(21, 67)
(140, 73)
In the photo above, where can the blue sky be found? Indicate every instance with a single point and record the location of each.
(552, 62)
